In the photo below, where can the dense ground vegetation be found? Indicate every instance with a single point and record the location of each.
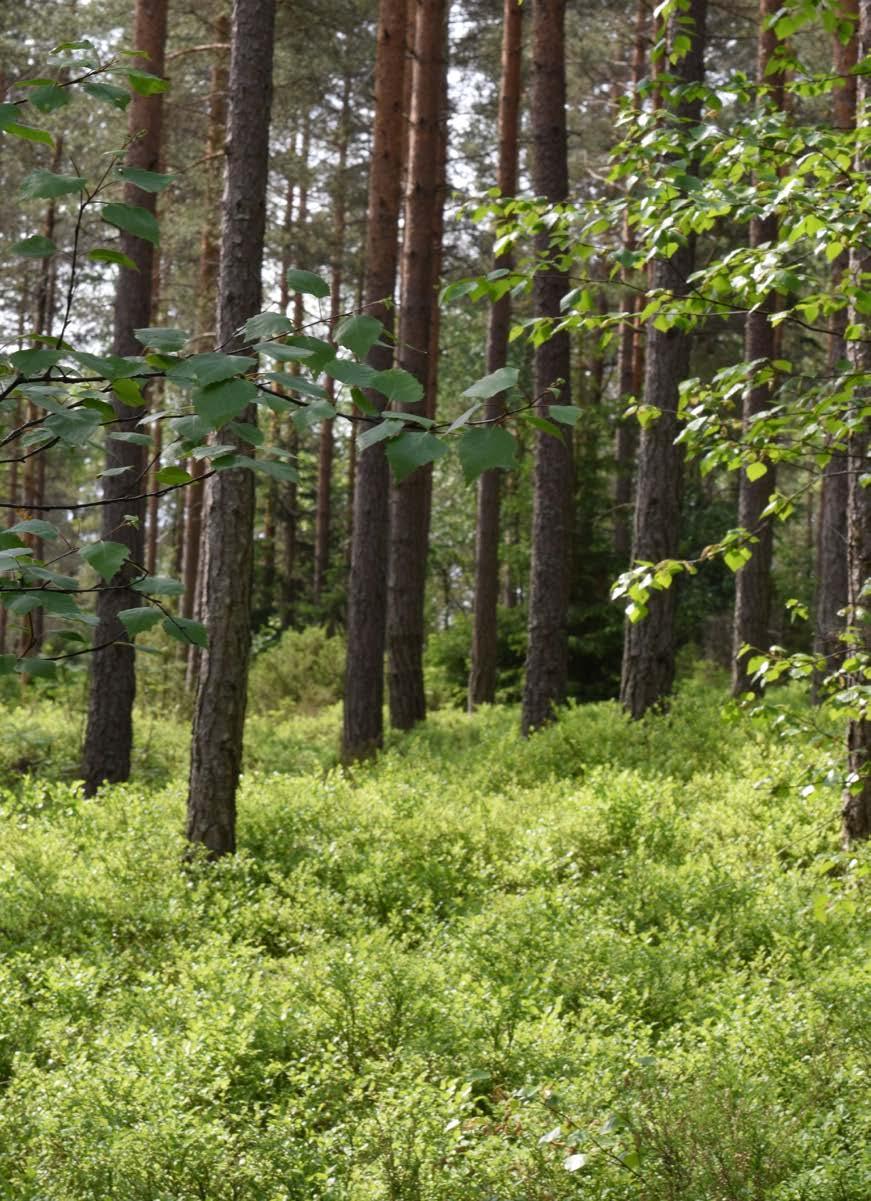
(618, 961)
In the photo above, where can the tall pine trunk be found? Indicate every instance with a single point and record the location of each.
(649, 645)
(323, 514)
(109, 733)
(753, 581)
(409, 500)
(857, 795)
(831, 543)
(553, 480)
(482, 676)
(363, 729)
(219, 718)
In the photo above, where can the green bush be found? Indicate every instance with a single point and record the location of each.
(304, 670)
(620, 961)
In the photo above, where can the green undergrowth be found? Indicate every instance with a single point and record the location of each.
(617, 961)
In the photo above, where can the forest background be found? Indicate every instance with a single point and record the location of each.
(704, 278)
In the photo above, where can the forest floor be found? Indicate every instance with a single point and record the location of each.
(617, 961)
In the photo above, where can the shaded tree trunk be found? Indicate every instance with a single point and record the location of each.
(831, 547)
(753, 581)
(482, 676)
(649, 645)
(323, 512)
(553, 480)
(362, 731)
(409, 505)
(219, 717)
(857, 795)
(109, 733)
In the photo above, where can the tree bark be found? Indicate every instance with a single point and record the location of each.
(482, 675)
(753, 580)
(216, 749)
(553, 480)
(323, 513)
(856, 811)
(109, 733)
(409, 508)
(362, 731)
(831, 546)
(649, 645)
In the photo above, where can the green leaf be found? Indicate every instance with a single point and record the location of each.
(7, 664)
(158, 585)
(103, 254)
(412, 450)
(277, 470)
(398, 386)
(9, 114)
(173, 475)
(378, 432)
(128, 392)
(493, 384)
(45, 185)
(29, 133)
(266, 325)
(313, 413)
(565, 414)
(359, 333)
(148, 181)
(37, 669)
(755, 471)
(136, 439)
(30, 361)
(356, 375)
(133, 219)
(221, 402)
(210, 368)
(484, 448)
(135, 621)
(284, 354)
(119, 97)
(307, 282)
(39, 529)
(105, 558)
(167, 341)
(49, 97)
(35, 247)
(73, 426)
(146, 84)
(182, 629)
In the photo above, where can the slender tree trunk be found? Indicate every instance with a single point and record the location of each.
(325, 447)
(216, 748)
(753, 581)
(409, 507)
(857, 795)
(831, 547)
(367, 586)
(207, 297)
(649, 645)
(109, 733)
(553, 480)
(482, 676)
(630, 346)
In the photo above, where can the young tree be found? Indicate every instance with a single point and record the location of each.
(482, 676)
(362, 730)
(409, 507)
(649, 645)
(109, 733)
(753, 581)
(546, 661)
(216, 748)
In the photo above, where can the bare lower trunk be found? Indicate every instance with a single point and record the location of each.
(109, 733)
(367, 586)
(553, 482)
(482, 676)
(216, 747)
